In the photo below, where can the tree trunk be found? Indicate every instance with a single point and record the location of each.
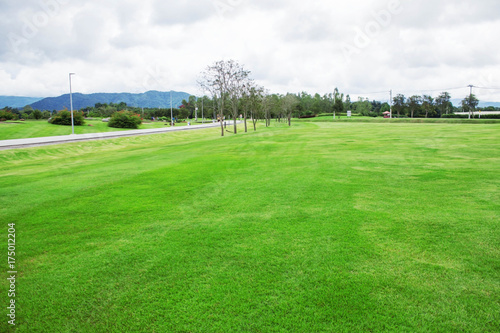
(221, 125)
(235, 129)
(245, 117)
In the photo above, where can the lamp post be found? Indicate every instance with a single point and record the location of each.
(171, 111)
(71, 104)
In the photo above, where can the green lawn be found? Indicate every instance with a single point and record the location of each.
(365, 119)
(322, 227)
(40, 128)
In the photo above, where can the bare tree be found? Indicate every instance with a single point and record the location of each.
(215, 80)
(236, 86)
(225, 80)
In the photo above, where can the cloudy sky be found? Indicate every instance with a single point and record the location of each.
(365, 47)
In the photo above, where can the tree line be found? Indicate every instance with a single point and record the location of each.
(231, 94)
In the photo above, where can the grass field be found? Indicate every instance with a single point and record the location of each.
(41, 128)
(321, 227)
(365, 119)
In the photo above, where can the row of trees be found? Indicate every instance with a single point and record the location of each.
(9, 113)
(235, 95)
(429, 107)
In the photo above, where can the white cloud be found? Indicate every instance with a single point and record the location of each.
(358, 46)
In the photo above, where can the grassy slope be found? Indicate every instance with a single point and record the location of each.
(321, 227)
(41, 128)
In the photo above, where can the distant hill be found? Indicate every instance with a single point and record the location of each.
(486, 104)
(458, 102)
(150, 99)
(17, 101)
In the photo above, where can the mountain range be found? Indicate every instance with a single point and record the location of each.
(149, 99)
(17, 102)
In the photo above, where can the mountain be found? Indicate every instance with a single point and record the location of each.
(17, 101)
(458, 102)
(150, 99)
(486, 104)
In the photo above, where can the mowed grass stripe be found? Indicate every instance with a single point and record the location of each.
(318, 227)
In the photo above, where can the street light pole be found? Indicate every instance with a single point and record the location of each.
(71, 104)
(171, 111)
(390, 102)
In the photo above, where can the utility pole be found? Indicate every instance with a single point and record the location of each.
(470, 99)
(71, 104)
(390, 102)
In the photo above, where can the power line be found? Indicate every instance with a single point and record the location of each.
(372, 93)
(416, 91)
(435, 90)
(486, 88)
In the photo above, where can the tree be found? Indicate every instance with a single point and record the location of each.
(225, 80)
(288, 103)
(125, 119)
(268, 102)
(469, 104)
(64, 118)
(252, 102)
(428, 105)
(443, 103)
(316, 106)
(338, 104)
(37, 114)
(363, 106)
(6, 114)
(399, 104)
(347, 103)
(385, 107)
(46, 114)
(414, 104)
(306, 103)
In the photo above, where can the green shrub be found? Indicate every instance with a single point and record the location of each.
(64, 118)
(37, 114)
(125, 119)
(6, 115)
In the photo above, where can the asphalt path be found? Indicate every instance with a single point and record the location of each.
(54, 140)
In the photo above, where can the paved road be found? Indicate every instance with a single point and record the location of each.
(53, 140)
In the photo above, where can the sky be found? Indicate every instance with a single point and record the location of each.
(364, 47)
